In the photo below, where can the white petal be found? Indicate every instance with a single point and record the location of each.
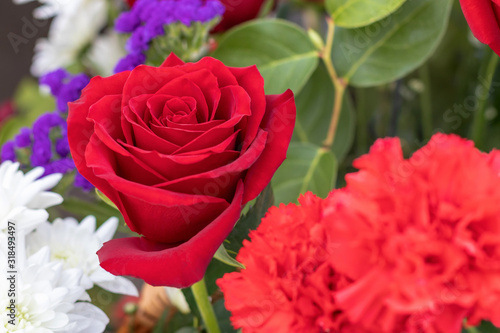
(88, 318)
(107, 229)
(119, 285)
(87, 225)
(46, 200)
(177, 298)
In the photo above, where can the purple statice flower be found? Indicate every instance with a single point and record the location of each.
(82, 183)
(54, 80)
(147, 19)
(127, 22)
(71, 91)
(64, 165)
(64, 86)
(42, 143)
(47, 140)
(23, 139)
(8, 152)
(130, 62)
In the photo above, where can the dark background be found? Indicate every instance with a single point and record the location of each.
(15, 65)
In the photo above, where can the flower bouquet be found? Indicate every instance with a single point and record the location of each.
(254, 166)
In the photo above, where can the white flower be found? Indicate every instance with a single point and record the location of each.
(75, 245)
(76, 24)
(176, 297)
(23, 198)
(47, 299)
(106, 51)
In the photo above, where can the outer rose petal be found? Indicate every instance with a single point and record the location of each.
(187, 262)
(279, 122)
(80, 130)
(481, 15)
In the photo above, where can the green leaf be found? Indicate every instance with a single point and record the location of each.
(187, 330)
(250, 221)
(393, 47)
(314, 112)
(180, 321)
(223, 317)
(160, 325)
(105, 199)
(306, 168)
(282, 51)
(358, 13)
(485, 327)
(81, 208)
(224, 257)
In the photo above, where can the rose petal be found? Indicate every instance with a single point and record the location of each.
(178, 166)
(234, 101)
(481, 15)
(195, 127)
(192, 84)
(212, 136)
(224, 76)
(221, 181)
(105, 128)
(144, 80)
(278, 121)
(252, 82)
(80, 130)
(183, 214)
(172, 61)
(187, 262)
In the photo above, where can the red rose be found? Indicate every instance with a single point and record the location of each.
(238, 11)
(179, 149)
(483, 19)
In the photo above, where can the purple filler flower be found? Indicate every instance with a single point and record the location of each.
(8, 153)
(64, 86)
(147, 18)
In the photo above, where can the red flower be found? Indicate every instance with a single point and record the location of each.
(419, 238)
(179, 149)
(237, 12)
(483, 19)
(288, 284)
(6, 111)
(407, 246)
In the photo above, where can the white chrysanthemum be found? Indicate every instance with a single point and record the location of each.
(76, 23)
(106, 51)
(24, 197)
(48, 299)
(176, 297)
(75, 245)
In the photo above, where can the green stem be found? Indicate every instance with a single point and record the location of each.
(472, 330)
(200, 293)
(338, 83)
(425, 103)
(486, 74)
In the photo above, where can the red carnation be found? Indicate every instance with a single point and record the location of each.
(420, 238)
(409, 245)
(288, 284)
